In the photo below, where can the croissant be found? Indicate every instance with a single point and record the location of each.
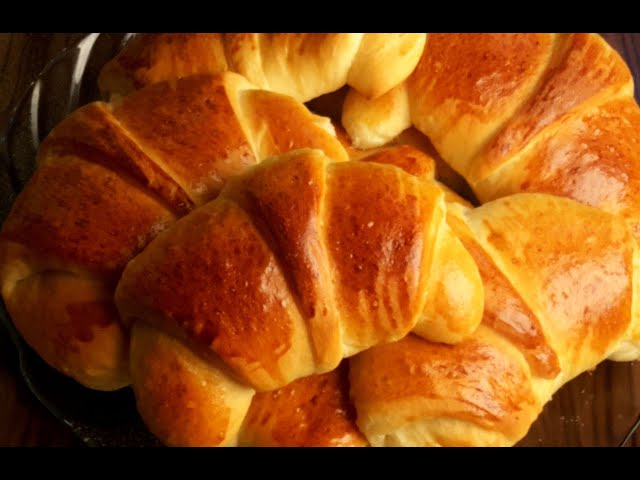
(299, 263)
(560, 282)
(110, 178)
(560, 118)
(304, 66)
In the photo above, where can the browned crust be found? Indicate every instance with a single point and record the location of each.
(311, 412)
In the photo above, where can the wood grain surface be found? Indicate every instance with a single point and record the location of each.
(596, 409)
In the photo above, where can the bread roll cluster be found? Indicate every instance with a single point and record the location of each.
(427, 265)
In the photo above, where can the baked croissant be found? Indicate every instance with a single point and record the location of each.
(297, 264)
(304, 66)
(561, 284)
(111, 177)
(515, 113)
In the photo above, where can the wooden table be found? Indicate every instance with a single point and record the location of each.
(578, 415)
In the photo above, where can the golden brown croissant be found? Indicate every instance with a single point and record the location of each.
(297, 264)
(304, 65)
(111, 177)
(561, 283)
(549, 113)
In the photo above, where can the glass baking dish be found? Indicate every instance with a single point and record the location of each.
(598, 408)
